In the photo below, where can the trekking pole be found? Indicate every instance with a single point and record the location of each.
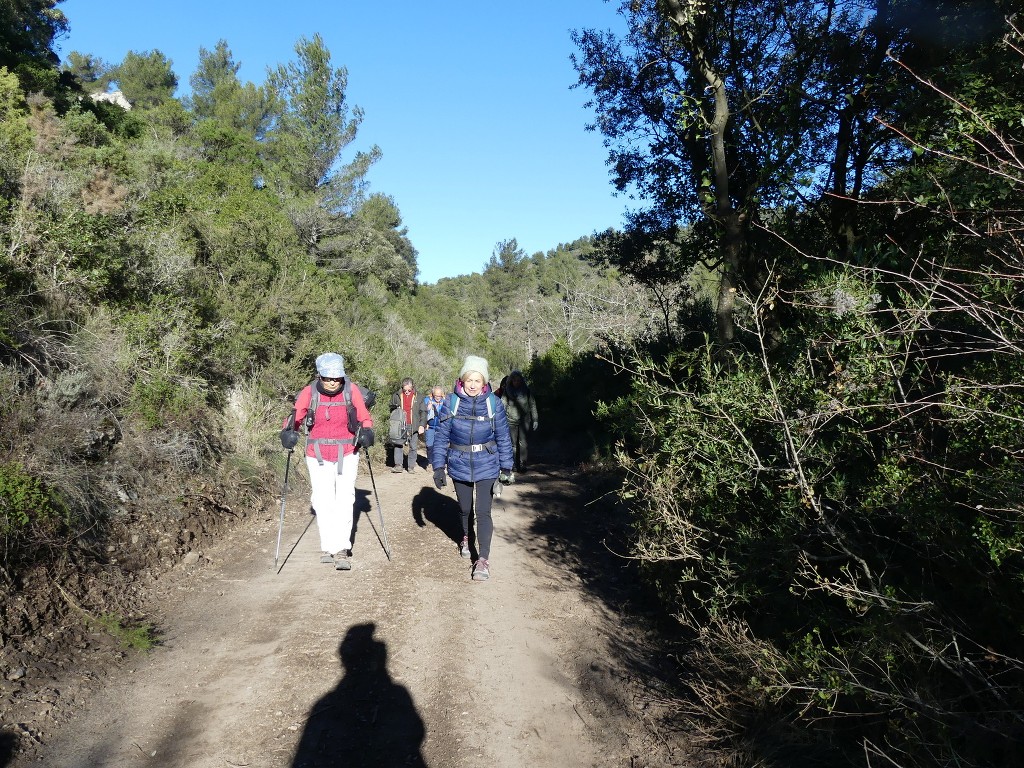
(380, 513)
(284, 490)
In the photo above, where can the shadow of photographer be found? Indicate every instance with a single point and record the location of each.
(368, 719)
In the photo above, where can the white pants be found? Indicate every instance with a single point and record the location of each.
(334, 499)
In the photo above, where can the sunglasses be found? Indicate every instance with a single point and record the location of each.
(331, 379)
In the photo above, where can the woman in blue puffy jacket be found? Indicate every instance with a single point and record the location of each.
(473, 443)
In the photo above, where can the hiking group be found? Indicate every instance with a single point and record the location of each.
(476, 436)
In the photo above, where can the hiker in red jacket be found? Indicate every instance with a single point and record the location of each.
(337, 424)
(407, 401)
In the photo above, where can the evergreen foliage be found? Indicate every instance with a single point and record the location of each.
(170, 273)
(827, 489)
(804, 353)
(28, 30)
(146, 79)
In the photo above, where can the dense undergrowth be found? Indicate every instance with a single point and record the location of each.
(811, 390)
(830, 502)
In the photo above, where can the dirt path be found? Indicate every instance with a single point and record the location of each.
(400, 663)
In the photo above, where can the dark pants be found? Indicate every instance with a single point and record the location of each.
(484, 524)
(518, 434)
(413, 447)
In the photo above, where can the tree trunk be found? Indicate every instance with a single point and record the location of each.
(732, 221)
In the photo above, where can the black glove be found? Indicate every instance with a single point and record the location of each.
(506, 477)
(440, 481)
(289, 438)
(365, 438)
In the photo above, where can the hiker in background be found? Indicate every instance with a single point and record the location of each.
(521, 410)
(472, 441)
(430, 411)
(406, 400)
(337, 424)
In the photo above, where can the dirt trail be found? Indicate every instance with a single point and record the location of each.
(400, 663)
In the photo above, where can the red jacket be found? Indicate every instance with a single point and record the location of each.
(331, 421)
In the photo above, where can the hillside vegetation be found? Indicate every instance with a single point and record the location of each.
(170, 270)
(801, 360)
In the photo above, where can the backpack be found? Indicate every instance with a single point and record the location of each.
(453, 409)
(398, 430)
(369, 398)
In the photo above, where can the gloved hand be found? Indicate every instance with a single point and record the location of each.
(365, 438)
(534, 427)
(289, 438)
(506, 477)
(440, 480)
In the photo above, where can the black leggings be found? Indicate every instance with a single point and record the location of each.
(484, 525)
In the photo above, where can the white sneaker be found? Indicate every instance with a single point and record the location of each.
(481, 570)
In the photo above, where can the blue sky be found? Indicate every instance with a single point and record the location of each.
(470, 103)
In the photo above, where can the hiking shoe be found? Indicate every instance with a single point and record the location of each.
(326, 557)
(395, 470)
(464, 546)
(341, 560)
(481, 570)
(411, 470)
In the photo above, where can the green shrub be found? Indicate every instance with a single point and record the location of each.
(572, 391)
(23, 499)
(30, 513)
(851, 505)
(135, 637)
(159, 400)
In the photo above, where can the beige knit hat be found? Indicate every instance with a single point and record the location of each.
(474, 363)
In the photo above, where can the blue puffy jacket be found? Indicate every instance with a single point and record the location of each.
(456, 436)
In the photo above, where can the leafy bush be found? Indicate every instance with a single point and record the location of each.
(846, 501)
(572, 391)
(160, 400)
(30, 514)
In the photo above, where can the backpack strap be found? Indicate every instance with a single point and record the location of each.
(314, 404)
(453, 408)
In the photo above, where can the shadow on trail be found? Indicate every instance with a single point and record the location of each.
(578, 524)
(363, 506)
(295, 544)
(368, 719)
(441, 511)
(8, 743)
(572, 524)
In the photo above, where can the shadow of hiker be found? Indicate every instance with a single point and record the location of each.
(8, 745)
(363, 506)
(444, 513)
(441, 511)
(368, 719)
